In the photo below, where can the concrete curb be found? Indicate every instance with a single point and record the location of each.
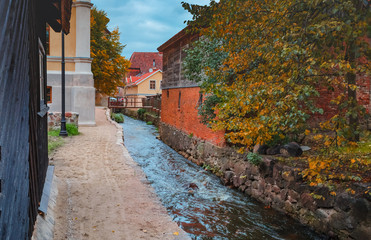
(119, 133)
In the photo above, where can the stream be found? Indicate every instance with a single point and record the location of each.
(196, 199)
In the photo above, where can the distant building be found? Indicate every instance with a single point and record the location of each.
(144, 62)
(143, 78)
(80, 91)
(148, 84)
(23, 109)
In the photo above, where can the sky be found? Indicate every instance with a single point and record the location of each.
(145, 24)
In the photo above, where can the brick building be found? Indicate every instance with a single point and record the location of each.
(180, 96)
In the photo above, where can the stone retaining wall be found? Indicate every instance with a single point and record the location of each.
(54, 119)
(344, 216)
(146, 117)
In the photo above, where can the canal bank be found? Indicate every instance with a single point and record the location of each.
(281, 187)
(197, 200)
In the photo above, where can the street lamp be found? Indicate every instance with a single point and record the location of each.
(63, 131)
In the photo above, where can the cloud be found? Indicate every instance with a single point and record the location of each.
(145, 24)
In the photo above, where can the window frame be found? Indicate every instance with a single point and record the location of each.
(150, 84)
(42, 80)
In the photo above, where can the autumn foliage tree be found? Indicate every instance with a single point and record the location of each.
(264, 61)
(108, 65)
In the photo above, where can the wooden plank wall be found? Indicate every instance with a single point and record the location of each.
(14, 119)
(38, 158)
(172, 64)
(23, 133)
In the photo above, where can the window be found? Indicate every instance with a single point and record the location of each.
(42, 84)
(200, 100)
(41, 74)
(152, 84)
(49, 94)
(47, 40)
(180, 96)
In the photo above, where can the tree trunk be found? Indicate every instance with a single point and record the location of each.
(353, 117)
(352, 98)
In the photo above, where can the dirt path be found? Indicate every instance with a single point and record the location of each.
(102, 193)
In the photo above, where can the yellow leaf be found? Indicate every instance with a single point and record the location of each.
(176, 233)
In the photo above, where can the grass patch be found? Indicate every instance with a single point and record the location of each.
(72, 129)
(55, 141)
(54, 133)
(363, 148)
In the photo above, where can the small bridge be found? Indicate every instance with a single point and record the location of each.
(150, 103)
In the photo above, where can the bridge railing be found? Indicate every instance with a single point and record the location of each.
(152, 104)
(125, 102)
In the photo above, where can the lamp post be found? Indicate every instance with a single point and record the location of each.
(63, 131)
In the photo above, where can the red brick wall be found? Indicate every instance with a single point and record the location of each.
(329, 110)
(364, 92)
(186, 118)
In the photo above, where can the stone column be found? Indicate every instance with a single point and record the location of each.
(83, 91)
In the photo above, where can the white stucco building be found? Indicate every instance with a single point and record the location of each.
(80, 91)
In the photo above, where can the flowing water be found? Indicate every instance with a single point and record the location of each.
(210, 210)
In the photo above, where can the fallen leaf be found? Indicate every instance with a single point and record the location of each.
(176, 233)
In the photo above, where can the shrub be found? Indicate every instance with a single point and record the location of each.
(141, 112)
(118, 117)
(72, 129)
(254, 158)
(149, 123)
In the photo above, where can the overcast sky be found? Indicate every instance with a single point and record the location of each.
(145, 24)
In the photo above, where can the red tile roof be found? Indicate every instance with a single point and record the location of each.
(143, 61)
(135, 80)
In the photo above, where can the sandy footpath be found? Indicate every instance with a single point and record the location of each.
(102, 193)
